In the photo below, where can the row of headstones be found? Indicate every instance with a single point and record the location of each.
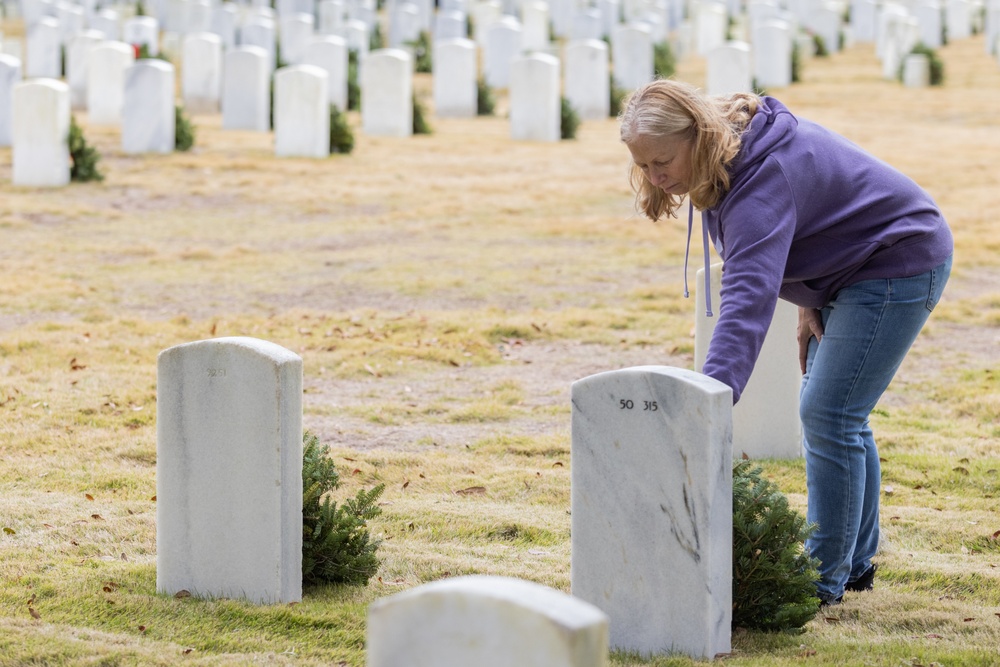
(651, 484)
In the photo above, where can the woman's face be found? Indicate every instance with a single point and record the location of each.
(665, 161)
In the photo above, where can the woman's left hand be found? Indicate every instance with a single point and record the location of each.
(810, 324)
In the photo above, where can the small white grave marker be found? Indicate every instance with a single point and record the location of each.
(535, 105)
(41, 114)
(587, 81)
(148, 115)
(484, 621)
(106, 82)
(301, 112)
(454, 81)
(229, 470)
(387, 94)
(246, 96)
(10, 76)
(201, 77)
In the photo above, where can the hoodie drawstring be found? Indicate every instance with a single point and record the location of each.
(687, 254)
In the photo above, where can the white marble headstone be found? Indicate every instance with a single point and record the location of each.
(535, 23)
(929, 18)
(296, 31)
(142, 30)
(503, 45)
(229, 470)
(632, 56)
(728, 69)
(78, 64)
(44, 44)
(454, 81)
(766, 421)
(246, 90)
(148, 107)
(201, 77)
(404, 24)
(485, 621)
(329, 53)
(450, 25)
(772, 54)
(587, 78)
(106, 82)
(535, 99)
(260, 31)
(712, 24)
(916, 71)
(41, 118)
(301, 112)
(225, 18)
(107, 22)
(652, 507)
(10, 76)
(331, 17)
(387, 94)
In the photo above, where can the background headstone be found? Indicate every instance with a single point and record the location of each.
(632, 56)
(106, 82)
(301, 112)
(148, 109)
(41, 118)
(766, 421)
(387, 94)
(728, 69)
(485, 621)
(246, 90)
(454, 81)
(78, 63)
(142, 30)
(535, 100)
(229, 470)
(587, 80)
(330, 54)
(44, 44)
(503, 45)
(652, 507)
(201, 77)
(10, 76)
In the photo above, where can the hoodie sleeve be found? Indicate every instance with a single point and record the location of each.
(757, 223)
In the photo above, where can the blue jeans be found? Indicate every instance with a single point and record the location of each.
(868, 329)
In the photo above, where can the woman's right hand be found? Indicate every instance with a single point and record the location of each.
(810, 324)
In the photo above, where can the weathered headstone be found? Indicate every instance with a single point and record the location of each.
(454, 81)
(484, 14)
(728, 69)
(766, 420)
(246, 85)
(652, 507)
(78, 65)
(632, 56)
(827, 22)
(387, 94)
(610, 16)
(148, 115)
(863, 20)
(201, 77)
(71, 21)
(503, 45)
(329, 53)
(587, 82)
(535, 101)
(928, 15)
(587, 24)
(331, 17)
(10, 76)
(404, 25)
(106, 82)
(301, 112)
(229, 470)
(485, 621)
(958, 18)
(44, 44)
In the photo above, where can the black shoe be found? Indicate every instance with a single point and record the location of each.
(830, 603)
(865, 582)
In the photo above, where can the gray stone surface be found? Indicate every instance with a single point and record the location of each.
(652, 514)
(229, 470)
(485, 621)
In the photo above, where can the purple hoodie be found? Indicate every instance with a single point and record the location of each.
(808, 213)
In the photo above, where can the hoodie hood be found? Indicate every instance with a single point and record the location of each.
(771, 127)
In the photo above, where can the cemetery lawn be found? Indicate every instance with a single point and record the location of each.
(444, 292)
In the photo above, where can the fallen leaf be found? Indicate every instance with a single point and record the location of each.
(961, 470)
(406, 483)
(966, 620)
(97, 517)
(34, 614)
(9, 531)
(88, 496)
(356, 471)
(74, 543)
(933, 636)
(153, 499)
(349, 459)
(472, 490)
(831, 619)
(557, 464)
(73, 366)
(48, 525)
(187, 650)
(996, 535)
(142, 628)
(180, 595)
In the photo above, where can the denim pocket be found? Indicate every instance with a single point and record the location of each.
(939, 277)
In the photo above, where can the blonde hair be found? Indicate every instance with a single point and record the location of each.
(668, 108)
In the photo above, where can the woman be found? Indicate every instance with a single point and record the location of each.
(800, 213)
